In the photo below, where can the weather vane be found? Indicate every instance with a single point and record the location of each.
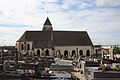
(47, 13)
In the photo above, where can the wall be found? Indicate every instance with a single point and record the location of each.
(18, 46)
(42, 51)
(56, 48)
(76, 48)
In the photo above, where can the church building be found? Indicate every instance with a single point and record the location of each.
(62, 44)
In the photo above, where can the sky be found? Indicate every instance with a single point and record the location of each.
(100, 18)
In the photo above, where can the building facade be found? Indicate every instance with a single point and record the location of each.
(62, 44)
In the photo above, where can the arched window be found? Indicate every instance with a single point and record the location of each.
(47, 52)
(81, 52)
(73, 53)
(58, 53)
(28, 46)
(22, 47)
(53, 49)
(88, 53)
(65, 53)
(42, 49)
(38, 52)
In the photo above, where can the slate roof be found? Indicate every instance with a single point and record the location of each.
(71, 38)
(40, 39)
(43, 39)
(47, 22)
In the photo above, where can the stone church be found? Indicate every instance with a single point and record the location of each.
(62, 44)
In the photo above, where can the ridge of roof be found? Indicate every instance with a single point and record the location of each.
(68, 31)
(55, 31)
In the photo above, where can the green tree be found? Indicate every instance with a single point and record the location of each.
(116, 50)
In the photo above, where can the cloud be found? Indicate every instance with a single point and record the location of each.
(101, 3)
(77, 4)
(49, 0)
(75, 15)
(9, 35)
(15, 10)
(68, 3)
(51, 7)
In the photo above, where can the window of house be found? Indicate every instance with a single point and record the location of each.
(22, 46)
(88, 53)
(65, 53)
(47, 52)
(73, 53)
(38, 52)
(28, 46)
(42, 49)
(81, 52)
(58, 54)
(53, 49)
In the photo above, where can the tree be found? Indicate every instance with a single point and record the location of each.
(116, 50)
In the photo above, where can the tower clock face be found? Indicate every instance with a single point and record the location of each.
(47, 28)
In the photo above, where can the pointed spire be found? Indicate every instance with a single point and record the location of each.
(47, 22)
(47, 25)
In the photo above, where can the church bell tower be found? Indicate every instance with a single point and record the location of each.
(47, 25)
